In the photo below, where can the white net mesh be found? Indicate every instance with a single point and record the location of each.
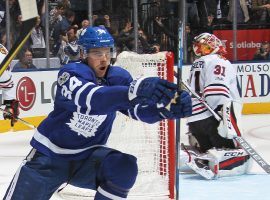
(148, 142)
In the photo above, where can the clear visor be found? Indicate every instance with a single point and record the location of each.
(100, 53)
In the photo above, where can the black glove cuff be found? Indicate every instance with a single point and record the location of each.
(8, 102)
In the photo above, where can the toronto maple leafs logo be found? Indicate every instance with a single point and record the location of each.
(86, 125)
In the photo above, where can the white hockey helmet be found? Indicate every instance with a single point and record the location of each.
(206, 43)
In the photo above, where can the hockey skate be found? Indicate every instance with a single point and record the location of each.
(201, 167)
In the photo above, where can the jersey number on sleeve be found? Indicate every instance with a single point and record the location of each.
(73, 83)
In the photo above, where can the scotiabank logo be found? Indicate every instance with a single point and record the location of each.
(26, 93)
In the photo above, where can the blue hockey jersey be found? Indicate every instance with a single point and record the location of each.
(84, 110)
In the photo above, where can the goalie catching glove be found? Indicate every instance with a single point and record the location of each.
(151, 90)
(180, 107)
(11, 111)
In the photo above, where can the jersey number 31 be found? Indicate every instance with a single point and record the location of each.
(219, 70)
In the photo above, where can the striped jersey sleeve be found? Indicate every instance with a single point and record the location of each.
(7, 86)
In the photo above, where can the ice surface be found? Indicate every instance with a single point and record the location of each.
(14, 146)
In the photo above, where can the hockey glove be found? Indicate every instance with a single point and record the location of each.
(152, 90)
(181, 107)
(11, 111)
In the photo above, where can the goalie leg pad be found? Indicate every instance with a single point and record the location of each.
(230, 162)
(117, 176)
(220, 162)
(201, 167)
(192, 159)
(231, 125)
(186, 154)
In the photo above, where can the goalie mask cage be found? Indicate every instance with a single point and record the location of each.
(152, 144)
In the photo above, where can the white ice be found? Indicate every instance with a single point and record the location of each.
(14, 146)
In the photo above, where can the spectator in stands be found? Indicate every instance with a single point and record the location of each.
(261, 10)
(37, 42)
(189, 40)
(66, 3)
(192, 13)
(69, 50)
(206, 8)
(164, 29)
(124, 37)
(126, 40)
(4, 38)
(61, 29)
(85, 23)
(56, 14)
(14, 11)
(208, 28)
(242, 11)
(263, 53)
(2, 14)
(104, 21)
(144, 45)
(155, 48)
(25, 61)
(17, 29)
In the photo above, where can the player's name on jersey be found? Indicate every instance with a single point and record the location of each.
(198, 64)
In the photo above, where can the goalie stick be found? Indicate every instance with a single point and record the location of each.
(29, 14)
(241, 141)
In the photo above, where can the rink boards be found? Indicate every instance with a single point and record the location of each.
(36, 91)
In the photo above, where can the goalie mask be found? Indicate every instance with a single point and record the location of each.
(206, 43)
(95, 37)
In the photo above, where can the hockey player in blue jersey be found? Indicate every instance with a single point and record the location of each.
(69, 146)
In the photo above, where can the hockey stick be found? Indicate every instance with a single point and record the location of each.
(19, 119)
(179, 78)
(241, 141)
(29, 14)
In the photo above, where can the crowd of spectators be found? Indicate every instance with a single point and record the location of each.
(263, 52)
(157, 30)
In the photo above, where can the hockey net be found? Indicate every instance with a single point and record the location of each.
(152, 144)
